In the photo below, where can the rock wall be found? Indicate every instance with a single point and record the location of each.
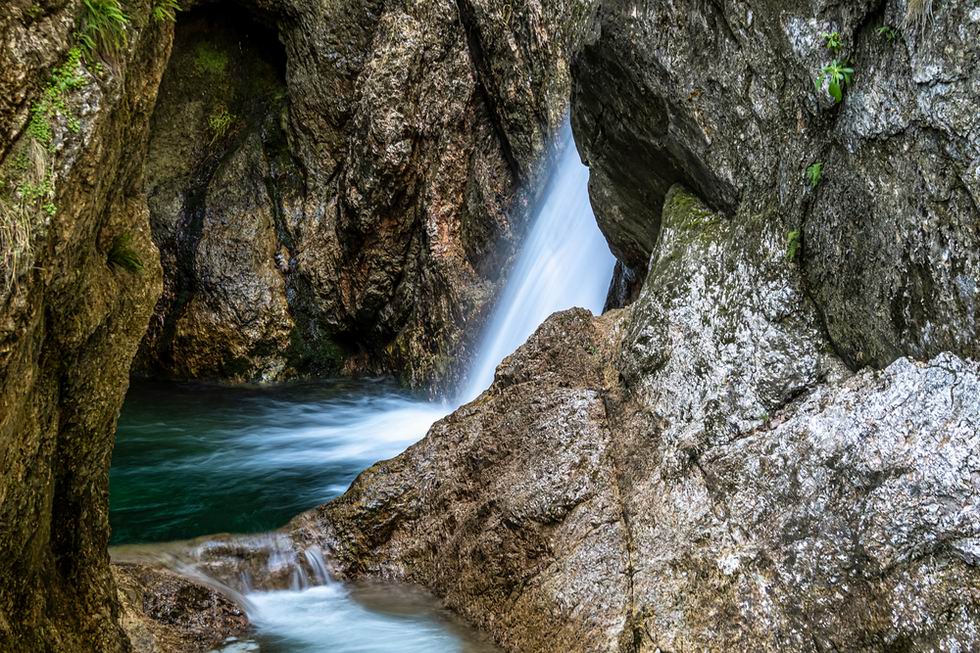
(773, 447)
(724, 100)
(80, 276)
(358, 217)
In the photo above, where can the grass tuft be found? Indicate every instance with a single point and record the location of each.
(918, 14)
(16, 254)
(123, 255)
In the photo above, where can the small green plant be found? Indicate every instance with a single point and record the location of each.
(210, 60)
(814, 173)
(103, 28)
(792, 245)
(165, 10)
(832, 41)
(888, 33)
(32, 192)
(34, 12)
(837, 76)
(123, 255)
(52, 104)
(220, 122)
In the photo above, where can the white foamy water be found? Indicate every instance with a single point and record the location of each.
(333, 618)
(564, 263)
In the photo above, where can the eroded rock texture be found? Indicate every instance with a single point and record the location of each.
(696, 472)
(704, 470)
(78, 285)
(723, 99)
(163, 612)
(375, 171)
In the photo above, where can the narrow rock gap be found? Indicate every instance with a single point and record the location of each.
(217, 168)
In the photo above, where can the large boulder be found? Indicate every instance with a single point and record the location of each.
(717, 477)
(697, 472)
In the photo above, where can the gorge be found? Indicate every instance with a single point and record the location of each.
(302, 228)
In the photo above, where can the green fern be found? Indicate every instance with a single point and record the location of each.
(64, 79)
(815, 173)
(888, 33)
(103, 28)
(832, 41)
(220, 122)
(165, 10)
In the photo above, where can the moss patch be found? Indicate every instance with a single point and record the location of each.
(209, 59)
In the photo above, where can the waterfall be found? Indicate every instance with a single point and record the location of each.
(248, 447)
(565, 262)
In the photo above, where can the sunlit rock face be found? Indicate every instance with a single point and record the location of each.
(338, 186)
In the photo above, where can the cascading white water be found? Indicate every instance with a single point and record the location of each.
(565, 262)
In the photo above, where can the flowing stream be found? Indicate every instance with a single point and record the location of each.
(192, 459)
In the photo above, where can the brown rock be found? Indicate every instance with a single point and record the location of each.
(69, 326)
(163, 612)
(397, 165)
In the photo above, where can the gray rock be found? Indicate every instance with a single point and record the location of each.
(722, 99)
(698, 472)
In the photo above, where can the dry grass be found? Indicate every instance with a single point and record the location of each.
(918, 14)
(16, 254)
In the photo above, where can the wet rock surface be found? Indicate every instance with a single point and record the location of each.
(697, 472)
(749, 457)
(163, 612)
(390, 170)
(520, 541)
(723, 100)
